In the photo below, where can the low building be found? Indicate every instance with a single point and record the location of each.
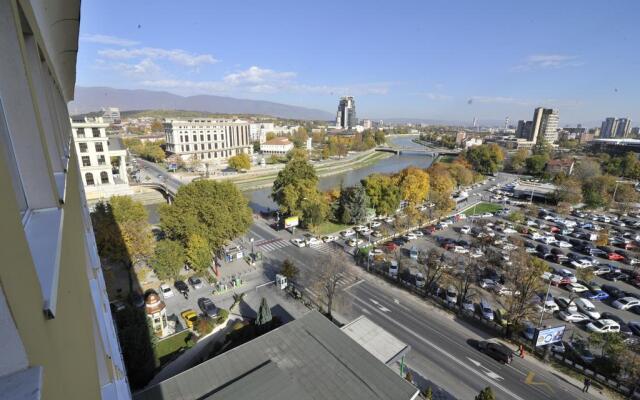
(309, 358)
(585, 137)
(102, 159)
(561, 165)
(279, 146)
(470, 142)
(616, 146)
(111, 115)
(156, 311)
(510, 142)
(534, 190)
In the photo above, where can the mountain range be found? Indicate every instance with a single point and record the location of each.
(88, 99)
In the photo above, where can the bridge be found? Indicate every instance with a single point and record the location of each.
(430, 152)
(166, 190)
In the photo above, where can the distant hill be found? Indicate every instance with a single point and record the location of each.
(88, 99)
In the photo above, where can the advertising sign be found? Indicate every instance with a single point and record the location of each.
(291, 222)
(549, 335)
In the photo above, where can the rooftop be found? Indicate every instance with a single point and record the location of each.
(277, 141)
(308, 358)
(382, 344)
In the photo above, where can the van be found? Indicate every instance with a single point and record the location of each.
(485, 309)
(452, 295)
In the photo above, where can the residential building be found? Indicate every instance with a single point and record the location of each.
(57, 336)
(278, 146)
(102, 159)
(111, 115)
(309, 358)
(635, 131)
(212, 141)
(460, 137)
(259, 131)
(346, 115)
(544, 125)
(609, 128)
(624, 128)
(523, 130)
(586, 137)
(470, 142)
(557, 166)
(368, 124)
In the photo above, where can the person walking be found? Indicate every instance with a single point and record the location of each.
(521, 350)
(587, 383)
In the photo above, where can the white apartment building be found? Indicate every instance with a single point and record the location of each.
(102, 160)
(111, 115)
(259, 131)
(279, 146)
(212, 141)
(57, 334)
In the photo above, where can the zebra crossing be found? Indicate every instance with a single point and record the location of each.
(322, 247)
(268, 245)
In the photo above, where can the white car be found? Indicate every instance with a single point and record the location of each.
(375, 252)
(359, 228)
(564, 244)
(582, 263)
(572, 316)
(312, 240)
(329, 238)
(509, 230)
(410, 236)
(354, 242)
(576, 288)
(420, 282)
(389, 220)
(365, 231)
(587, 308)
(375, 224)
(460, 249)
(418, 233)
(393, 269)
(347, 233)
(465, 229)
(487, 283)
(477, 253)
(547, 308)
(298, 242)
(166, 291)
(603, 326)
(625, 303)
(548, 240)
(486, 215)
(503, 290)
(467, 305)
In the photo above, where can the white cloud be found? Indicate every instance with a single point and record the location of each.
(434, 96)
(106, 39)
(553, 103)
(257, 75)
(145, 69)
(177, 56)
(548, 61)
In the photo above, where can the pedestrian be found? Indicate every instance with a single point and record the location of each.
(587, 383)
(521, 351)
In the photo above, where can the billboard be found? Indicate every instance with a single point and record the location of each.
(291, 222)
(549, 335)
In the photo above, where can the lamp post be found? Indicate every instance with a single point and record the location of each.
(543, 303)
(253, 254)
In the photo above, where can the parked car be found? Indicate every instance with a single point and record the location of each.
(566, 304)
(575, 287)
(467, 305)
(354, 242)
(329, 238)
(624, 303)
(208, 308)
(578, 351)
(572, 316)
(181, 287)
(390, 246)
(410, 236)
(298, 242)
(196, 283)
(190, 318)
(420, 282)
(166, 291)
(393, 269)
(587, 308)
(624, 327)
(465, 229)
(603, 326)
(485, 310)
(616, 276)
(347, 233)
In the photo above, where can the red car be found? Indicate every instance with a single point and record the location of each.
(448, 246)
(430, 229)
(390, 246)
(554, 229)
(615, 257)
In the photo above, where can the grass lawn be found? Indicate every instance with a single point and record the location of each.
(448, 159)
(482, 208)
(330, 227)
(165, 349)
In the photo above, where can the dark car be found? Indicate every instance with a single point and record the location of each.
(635, 309)
(182, 287)
(208, 308)
(196, 282)
(616, 276)
(497, 351)
(613, 291)
(634, 326)
(563, 303)
(136, 299)
(579, 352)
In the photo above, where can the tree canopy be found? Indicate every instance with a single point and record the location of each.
(414, 185)
(384, 195)
(352, 205)
(168, 259)
(240, 162)
(293, 184)
(486, 158)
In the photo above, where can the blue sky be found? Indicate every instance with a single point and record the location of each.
(451, 60)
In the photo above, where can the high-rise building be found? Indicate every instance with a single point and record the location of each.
(346, 115)
(635, 131)
(609, 127)
(212, 141)
(624, 128)
(111, 115)
(544, 125)
(523, 131)
(102, 159)
(57, 335)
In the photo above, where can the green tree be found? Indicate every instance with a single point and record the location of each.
(297, 179)
(299, 138)
(198, 253)
(270, 136)
(486, 394)
(428, 393)
(598, 191)
(570, 191)
(587, 169)
(516, 217)
(215, 210)
(517, 161)
(535, 164)
(240, 162)
(168, 259)
(315, 209)
(486, 158)
(414, 185)
(380, 137)
(289, 270)
(353, 204)
(384, 195)
(263, 319)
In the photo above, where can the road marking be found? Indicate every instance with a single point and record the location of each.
(353, 284)
(529, 381)
(380, 306)
(446, 354)
(364, 310)
(396, 301)
(486, 370)
(311, 291)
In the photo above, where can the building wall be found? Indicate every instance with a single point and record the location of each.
(51, 279)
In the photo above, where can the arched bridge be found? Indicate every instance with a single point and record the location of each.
(167, 191)
(417, 151)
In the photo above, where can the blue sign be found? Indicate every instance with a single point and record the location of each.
(549, 335)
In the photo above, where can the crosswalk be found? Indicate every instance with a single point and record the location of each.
(346, 281)
(269, 245)
(322, 247)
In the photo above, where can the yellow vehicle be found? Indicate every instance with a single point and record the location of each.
(190, 318)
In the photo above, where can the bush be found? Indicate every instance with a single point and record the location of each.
(204, 326)
(223, 315)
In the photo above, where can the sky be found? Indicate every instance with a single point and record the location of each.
(444, 60)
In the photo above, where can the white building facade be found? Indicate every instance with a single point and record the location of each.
(102, 160)
(259, 131)
(211, 141)
(279, 146)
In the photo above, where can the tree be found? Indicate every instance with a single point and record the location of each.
(587, 169)
(122, 230)
(384, 195)
(624, 195)
(535, 164)
(486, 394)
(289, 270)
(300, 137)
(198, 253)
(315, 209)
(598, 191)
(517, 161)
(240, 162)
(585, 274)
(414, 185)
(460, 173)
(432, 268)
(326, 277)
(569, 190)
(428, 393)
(292, 184)
(215, 210)
(516, 217)
(168, 259)
(486, 158)
(464, 278)
(603, 237)
(441, 187)
(611, 344)
(263, 319)
(353, 204)
(379, 137)
(298, 153)
(270, 136)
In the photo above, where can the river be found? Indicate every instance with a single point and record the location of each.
(259, 199)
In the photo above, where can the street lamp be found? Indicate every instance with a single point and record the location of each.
(543, 302)
(253, 254)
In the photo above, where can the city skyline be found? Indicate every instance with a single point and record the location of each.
(400, 68)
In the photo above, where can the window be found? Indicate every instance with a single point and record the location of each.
(88, 177)
(82, 147)
(9, 155)
(208, 138)
(99, 148)
(195, 138)
(202, 138)
(96, 132)
(80, 133)
(215, 137)
(209, 146)
(101, 160)
(104, 177)
(187, 147)
(86, 161)
(216, 145)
